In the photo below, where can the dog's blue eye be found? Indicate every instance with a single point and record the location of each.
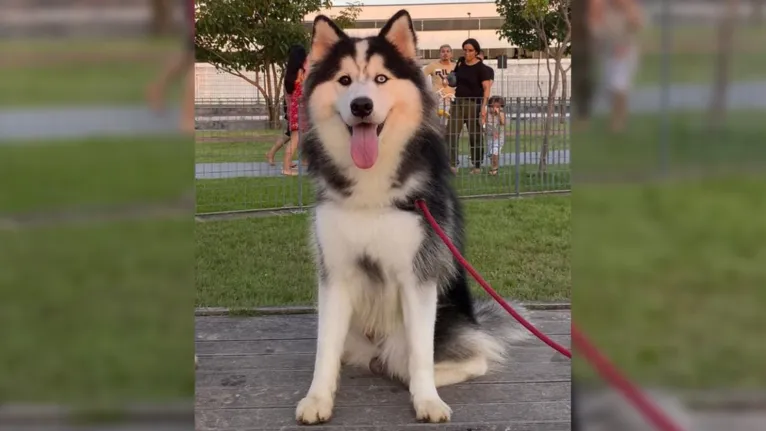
(380, 79)
(344, 81)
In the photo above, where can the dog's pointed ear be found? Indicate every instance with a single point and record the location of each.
(400, 32)
(324, 35)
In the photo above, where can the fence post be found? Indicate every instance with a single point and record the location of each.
(300, 165)
(517, 162)
(665, 37)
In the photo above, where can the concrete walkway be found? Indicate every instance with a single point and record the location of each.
(208, 171)
(80, 122)
(647, 99)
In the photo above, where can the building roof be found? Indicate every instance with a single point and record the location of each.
(418, 11)
(440, 11)
(434, 39)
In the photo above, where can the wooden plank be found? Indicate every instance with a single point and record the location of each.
(452, 426)
(304, 345)
(388, 416)
(254, 379)
(304, 326)
(375, 395)
(305, 361)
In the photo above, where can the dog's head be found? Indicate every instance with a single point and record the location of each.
(365, 96)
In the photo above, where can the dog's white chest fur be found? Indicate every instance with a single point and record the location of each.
(388, 238)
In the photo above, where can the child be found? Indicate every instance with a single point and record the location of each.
(495, 131)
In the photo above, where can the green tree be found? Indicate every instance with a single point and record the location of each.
(546, 26)
(254, 36)
(348, 15)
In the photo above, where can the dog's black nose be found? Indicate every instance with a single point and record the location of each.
(361, 107)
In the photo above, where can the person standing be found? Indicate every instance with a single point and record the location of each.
(472, 85)
(178, 67)
(438, 70)
(495, 129)
(296, 57)
(297, 119)
(615, 25)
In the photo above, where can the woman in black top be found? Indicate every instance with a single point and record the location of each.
(470, 107)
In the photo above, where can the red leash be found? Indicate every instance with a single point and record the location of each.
(602, 365)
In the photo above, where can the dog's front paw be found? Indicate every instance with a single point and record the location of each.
(314, 409)
(431, 409)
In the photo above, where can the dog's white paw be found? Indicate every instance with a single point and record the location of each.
(314, 409)
(431, 409)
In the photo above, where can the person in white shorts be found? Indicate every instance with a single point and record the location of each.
(495, 130)
(615, 25)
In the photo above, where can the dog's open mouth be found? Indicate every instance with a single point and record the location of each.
(379, 129)
(364, 144)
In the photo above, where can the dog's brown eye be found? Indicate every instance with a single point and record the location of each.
(381, 79)
(344, 81)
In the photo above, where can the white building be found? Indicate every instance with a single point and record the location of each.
(436, 24)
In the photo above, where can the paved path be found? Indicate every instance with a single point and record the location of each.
(68, 123)
(743, 95)
(253, 371)
(208, 171)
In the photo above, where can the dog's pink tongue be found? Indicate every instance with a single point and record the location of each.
(364, 145)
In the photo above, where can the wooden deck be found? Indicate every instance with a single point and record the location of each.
(254, 370)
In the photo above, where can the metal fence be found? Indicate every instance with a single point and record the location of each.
(233, 173)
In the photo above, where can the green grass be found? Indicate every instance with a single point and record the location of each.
(108, 46)
(669, 274)
(244, 193)
(97, 315)
(108, 82)
(520, 246)
(669, 279)
(237, 151)
(235, 194)
(81, 72)
(698, 68)
(691, 144)
(693, 54)
(38, 176)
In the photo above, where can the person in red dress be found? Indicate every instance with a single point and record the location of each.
(297, 121)
(295, 59)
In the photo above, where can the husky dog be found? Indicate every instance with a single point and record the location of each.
(391, 296)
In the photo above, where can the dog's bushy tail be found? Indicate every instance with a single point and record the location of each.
(498, 329)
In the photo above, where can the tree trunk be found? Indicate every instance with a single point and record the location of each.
(270, 102)
(717, 110)
(582, 56)
(161, 21)
(277, 96)
(563, 99)
(549, 112)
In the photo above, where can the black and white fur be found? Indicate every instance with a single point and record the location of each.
(391, 296)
